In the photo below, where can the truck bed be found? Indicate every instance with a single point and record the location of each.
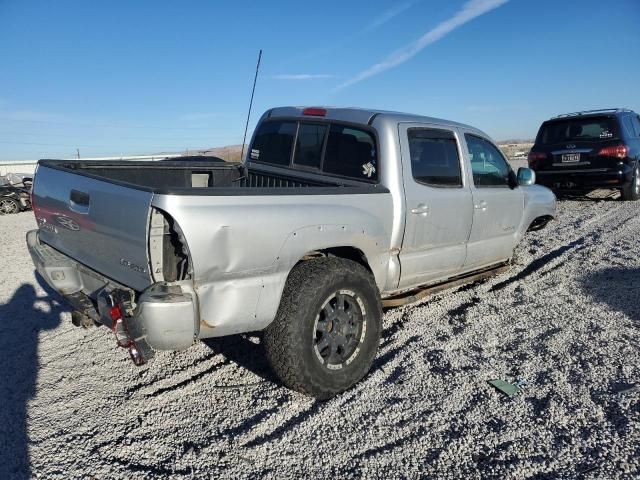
(99, 213)
(202, 177)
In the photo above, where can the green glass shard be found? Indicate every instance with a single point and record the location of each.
(505, 387)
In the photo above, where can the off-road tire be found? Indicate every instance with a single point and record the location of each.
(289, 339)
(632, 191)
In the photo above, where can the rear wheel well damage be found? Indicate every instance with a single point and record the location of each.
(539, 223)
(348, 253)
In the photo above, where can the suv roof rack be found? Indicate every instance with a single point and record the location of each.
(599, 110)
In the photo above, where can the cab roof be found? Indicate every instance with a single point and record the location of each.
(362, 116)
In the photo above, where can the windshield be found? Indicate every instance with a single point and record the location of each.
(577, 129)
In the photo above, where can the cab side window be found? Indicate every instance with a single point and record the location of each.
(488, 166)
(434, 157)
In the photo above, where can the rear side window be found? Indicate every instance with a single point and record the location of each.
(273, 142)
(309, 145)
(434, 157)
(351, 152)
(577, 129)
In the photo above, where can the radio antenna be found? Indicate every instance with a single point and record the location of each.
(246, 126)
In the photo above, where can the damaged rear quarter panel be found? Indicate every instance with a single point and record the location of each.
(244, 246)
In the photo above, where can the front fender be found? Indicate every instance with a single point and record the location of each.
(539, 201)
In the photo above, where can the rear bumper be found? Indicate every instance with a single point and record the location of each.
(585, 179)
(163, 317)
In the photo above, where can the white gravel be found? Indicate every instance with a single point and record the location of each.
(565, 319)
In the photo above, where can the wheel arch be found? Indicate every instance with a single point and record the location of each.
(346, 252)
(539, 223)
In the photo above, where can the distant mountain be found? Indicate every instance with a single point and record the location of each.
(230, 153)
(515, 141)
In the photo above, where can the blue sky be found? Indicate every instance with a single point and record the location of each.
(116, 77)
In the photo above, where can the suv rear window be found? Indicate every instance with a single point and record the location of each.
(577, 129)
(348, 151)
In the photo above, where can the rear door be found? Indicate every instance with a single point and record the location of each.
(438, 204)
(497, 209)
(100, 224)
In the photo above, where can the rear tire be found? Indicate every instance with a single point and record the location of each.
(327, 329)
(632, 191)
(8, 206)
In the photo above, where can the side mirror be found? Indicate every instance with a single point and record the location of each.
(526, 177)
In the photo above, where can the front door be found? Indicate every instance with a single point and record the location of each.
(439, 205)
(497, 205)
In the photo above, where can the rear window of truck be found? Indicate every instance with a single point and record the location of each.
(274, 143)
(577, 129)
(331, 148)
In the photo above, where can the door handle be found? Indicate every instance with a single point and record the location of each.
(421, 209)
(481, 205)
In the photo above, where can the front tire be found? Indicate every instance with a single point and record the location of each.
(632, 191)
(327, 329)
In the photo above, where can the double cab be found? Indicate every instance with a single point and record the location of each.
(332, 211)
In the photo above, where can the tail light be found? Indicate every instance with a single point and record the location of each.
(115, 313)
(121, 332)
(534, 157)
(119, 327)
(617, 151)
(168, 250)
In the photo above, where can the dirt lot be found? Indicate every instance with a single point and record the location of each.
(564, 319)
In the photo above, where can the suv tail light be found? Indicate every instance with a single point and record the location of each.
(618, 151)
(534, 157)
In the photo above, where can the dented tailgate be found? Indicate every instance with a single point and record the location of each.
(100, 224)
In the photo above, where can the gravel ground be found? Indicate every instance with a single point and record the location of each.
(564, 319)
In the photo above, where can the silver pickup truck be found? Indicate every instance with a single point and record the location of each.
(333, 212)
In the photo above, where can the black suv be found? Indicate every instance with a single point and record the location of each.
(582, 151)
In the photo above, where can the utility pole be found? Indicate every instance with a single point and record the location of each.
(78, 152)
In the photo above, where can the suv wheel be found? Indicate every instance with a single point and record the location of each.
(632, 191)
(326, 333)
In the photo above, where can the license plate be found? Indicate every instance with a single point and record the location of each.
(570, 157)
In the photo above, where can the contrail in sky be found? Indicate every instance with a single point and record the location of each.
(469, 11)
